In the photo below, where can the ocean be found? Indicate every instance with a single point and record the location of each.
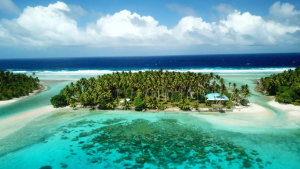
(236, 61)
(57, 68)
(50, 140)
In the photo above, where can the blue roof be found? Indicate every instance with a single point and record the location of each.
(216, 96)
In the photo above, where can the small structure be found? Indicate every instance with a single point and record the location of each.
(122, 101)
(216, 97)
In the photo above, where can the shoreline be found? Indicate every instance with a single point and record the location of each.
(292, 111)
(11, 124)
(42, 88)
(249, 118)
(253, 116)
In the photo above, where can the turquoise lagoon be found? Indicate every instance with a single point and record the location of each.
(126, 139)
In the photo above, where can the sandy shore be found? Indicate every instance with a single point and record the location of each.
(13, 123)
(241, 119)
(293, 112)
(35, 92)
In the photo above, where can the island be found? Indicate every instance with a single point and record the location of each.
(284, 86)
(154, 89)
(16, 85)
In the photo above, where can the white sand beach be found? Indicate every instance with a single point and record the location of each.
(250, 117)
(254, 110)
(293, 112)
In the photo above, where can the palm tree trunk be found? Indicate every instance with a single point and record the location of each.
(197, 98)
(146, 92)
(181, 93)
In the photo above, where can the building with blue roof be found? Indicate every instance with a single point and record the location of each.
(216, 97)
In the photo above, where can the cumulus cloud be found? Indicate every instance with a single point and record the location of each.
(182, 9)
(7, 6)
(53, 25)
(285, 13)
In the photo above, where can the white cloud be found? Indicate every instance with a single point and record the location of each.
(53, 26)
(224, 10)
(7, 6)
(76, 11)
(182, 9)
(95, 14)
(285, 13)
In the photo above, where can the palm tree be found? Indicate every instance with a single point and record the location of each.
(126, 104)
(184, 105)
(152, 102)
(197, 89)
(110, 105)
(150, 86)
(73, 105)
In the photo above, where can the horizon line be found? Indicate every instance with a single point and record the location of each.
(68, 57)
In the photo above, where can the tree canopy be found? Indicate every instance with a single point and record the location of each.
(16, 85)
(285, 86)
(59, 100)
(154, 89)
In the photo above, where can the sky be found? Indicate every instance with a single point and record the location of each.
(76, 28)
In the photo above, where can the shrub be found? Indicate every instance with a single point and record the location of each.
(58, 101)
(229, 104)
(244, 102)
(284, 98)
(296, 103)
(139, 103)
(208, 103)
(184, 105)
(196, 106)
(161, 106)
(102, 103)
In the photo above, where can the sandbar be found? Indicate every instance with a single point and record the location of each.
(293, 112)
(13, 123)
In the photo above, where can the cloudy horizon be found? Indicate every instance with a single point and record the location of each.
(64, 29)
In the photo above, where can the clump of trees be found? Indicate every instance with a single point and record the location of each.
(285, 86)
(152, 89)
(59, 100)
(16, 85)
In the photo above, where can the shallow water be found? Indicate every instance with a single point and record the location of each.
(256, 97)
(162, 140)
(116, 139)
(34, 102)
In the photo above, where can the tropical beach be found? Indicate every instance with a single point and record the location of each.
(149, 84)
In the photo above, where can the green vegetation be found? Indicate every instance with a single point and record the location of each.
(285, 86)
(151, 89)
(16, 85)
(139, 103)
(60, 100)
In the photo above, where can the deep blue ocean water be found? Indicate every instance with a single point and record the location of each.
(236, 61)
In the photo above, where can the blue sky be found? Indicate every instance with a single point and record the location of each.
(66, 28)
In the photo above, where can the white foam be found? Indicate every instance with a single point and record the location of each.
(74, 74)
